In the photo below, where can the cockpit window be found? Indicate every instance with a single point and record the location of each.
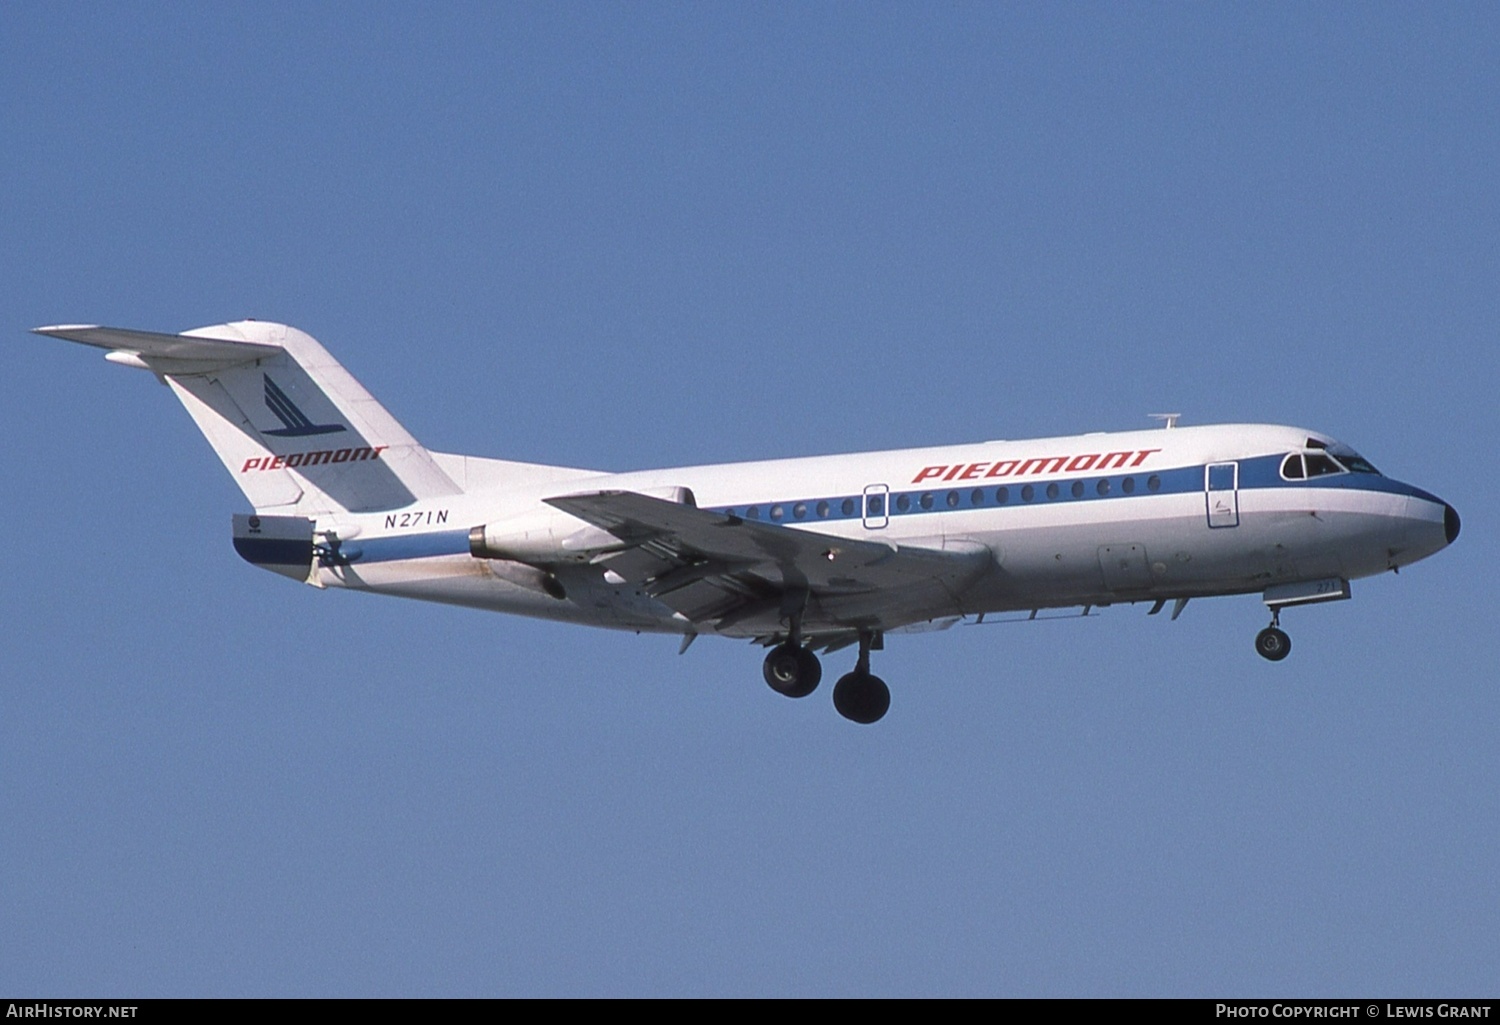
(1320, 464)
(1323, 460)
(1352, 459)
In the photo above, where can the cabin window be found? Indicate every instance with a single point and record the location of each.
(976, 497)
(1053, 490)
(1291, 467)
(752, 513)
(926, 500)
(1102, 488)
(903, 502)
(848, 507)
(1128, 485)
(953, 500)
(875, 505)
(1077, 489)
(823, 510)
(1002, 495)
(1028, 493)
(777, 512)
(799, 510)
(1153, 483)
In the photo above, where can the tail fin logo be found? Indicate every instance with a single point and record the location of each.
(297, 425)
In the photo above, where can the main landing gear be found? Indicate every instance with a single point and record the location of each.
(794, 671)
(1272, 643)
(861, 695)
(790, 668)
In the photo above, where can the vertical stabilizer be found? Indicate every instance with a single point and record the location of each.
(296, 431)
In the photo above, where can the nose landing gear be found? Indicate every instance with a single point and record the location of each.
(1272, 643)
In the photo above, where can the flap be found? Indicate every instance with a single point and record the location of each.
(711, 565)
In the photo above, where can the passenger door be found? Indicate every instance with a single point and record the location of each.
(1221, 483)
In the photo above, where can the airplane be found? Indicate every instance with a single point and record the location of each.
(798, 555)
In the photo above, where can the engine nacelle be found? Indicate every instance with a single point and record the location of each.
(547, 537)
(541, 540)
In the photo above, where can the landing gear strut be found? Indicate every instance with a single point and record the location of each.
(862, 696)
(1272, 643)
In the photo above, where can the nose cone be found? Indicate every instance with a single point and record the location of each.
(1450, 522)
(1428, 525)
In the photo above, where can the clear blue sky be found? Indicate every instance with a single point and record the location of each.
(632, 235)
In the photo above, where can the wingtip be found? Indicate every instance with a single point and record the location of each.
(53, 329)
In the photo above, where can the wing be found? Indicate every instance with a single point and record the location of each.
(744, 577)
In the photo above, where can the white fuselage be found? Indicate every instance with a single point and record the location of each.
(1072, 521)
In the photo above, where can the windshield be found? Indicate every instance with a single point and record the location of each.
(1320, 464)
(1303, 465)
(1353, 460)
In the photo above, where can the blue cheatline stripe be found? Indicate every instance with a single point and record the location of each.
(280, 552)
(1265, 472)
(1021, 491)
(414, 546)
(1257, 473)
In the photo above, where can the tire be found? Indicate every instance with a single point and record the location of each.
(861, 697)
(1273, 644)
(792, 671)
